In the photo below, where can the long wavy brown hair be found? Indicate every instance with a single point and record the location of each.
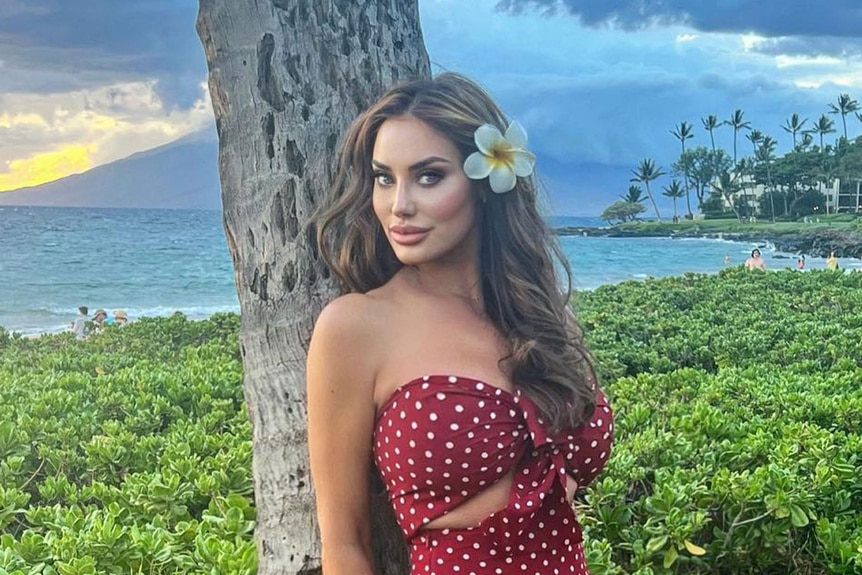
(519, 260)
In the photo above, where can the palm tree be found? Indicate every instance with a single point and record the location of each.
(646, 172)
(737, 123)
(846, 105)
(765, 155)
(634, 195)
(682, 133)
(710, 123)
(792, 125)
(754, 136)
(727, 185)
(822, 127)
(673, 191)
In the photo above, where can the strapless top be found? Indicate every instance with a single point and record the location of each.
(439, 440)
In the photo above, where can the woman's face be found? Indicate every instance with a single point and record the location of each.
(422, 197)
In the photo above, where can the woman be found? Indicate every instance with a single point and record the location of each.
(452, 362)
(101, 319)
(832, 262)
(755, 262)
(121, 317)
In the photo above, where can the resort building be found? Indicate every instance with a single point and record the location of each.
(840, 196)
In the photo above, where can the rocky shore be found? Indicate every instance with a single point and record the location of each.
(814, 242)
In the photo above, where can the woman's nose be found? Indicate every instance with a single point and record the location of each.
(402, 204)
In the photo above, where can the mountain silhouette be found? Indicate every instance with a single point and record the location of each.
(179, 175)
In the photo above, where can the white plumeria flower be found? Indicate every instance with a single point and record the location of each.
(500, 157)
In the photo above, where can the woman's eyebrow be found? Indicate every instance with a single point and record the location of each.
(431, 160)
(413, 167)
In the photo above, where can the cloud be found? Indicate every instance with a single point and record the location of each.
(46, 166)
(86, 83)
(599, 95)
(9, 8)
(47, 136)
(849, 49)
(793, 18)
(78, 45)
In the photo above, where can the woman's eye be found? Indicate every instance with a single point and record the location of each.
(429, 178)
(382, 178)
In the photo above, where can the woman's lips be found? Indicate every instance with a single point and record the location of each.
(407, 235)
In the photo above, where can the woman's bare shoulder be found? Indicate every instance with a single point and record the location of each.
(352, 326)
(351, 316)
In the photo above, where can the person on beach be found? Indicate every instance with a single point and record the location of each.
(452, 365)
(101, 319)
(755, 262)
(120, 317)
(832, 262)
(79, 324)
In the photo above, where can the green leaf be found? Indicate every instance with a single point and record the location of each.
(656, 543)
(798, 517)
(669, 557)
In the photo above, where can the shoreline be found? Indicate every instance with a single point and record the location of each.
(817, 241)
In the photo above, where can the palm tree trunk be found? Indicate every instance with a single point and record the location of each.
(734, 146)
(652, 199)
(688, 201)
(729, 199)
(286, 77)
(771, 191)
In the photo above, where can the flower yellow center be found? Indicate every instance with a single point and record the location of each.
(501, 156)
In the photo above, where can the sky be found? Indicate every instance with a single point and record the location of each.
(598, 84)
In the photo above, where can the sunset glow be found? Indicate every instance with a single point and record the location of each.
(46, 166)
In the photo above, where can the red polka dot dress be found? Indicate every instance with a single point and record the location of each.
(440, 440)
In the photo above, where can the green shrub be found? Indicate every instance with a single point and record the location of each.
(738, 446)
(128, 452)
(738, 424)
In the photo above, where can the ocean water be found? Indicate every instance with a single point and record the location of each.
(597, 261)
(156, 262)
(148, 262)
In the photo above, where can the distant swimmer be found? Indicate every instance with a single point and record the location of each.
(727, 259)
(755, 261)
(832, 262)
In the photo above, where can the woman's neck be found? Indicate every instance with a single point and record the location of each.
(442, 281)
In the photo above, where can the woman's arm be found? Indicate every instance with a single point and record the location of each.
(595, 437)
(593, 440)
(341, 412)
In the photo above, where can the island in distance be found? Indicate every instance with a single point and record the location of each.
(179, 175)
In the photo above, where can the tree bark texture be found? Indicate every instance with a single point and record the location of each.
(286, 77)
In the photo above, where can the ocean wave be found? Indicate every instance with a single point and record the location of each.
(195, 310)
(57, 319)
